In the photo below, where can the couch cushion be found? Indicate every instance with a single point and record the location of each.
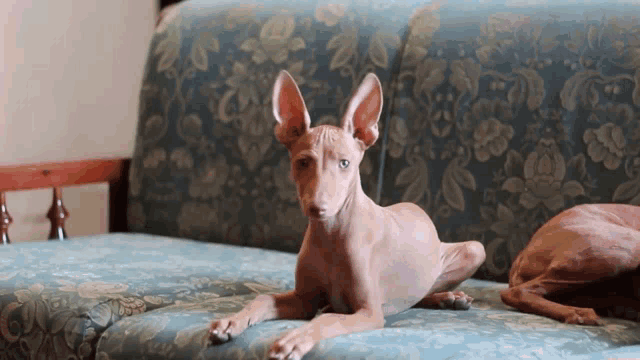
(507, 113)
(58, 297)
(206, 163)
(489, 330)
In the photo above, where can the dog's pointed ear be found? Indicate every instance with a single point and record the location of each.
(363, 112)
(289, 110)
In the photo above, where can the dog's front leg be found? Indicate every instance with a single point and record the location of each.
(264, 307)
(298, 342)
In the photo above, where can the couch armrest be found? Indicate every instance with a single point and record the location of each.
(60, 174)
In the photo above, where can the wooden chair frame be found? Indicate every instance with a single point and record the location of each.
(56, 175)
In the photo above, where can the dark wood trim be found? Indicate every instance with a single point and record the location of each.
(50, 175)
(57, 214)
(118, 194)
(5, 220)
(60, 174)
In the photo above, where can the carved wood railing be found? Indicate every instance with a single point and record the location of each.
(115, 172)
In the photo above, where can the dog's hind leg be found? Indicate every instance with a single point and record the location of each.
(459, 261)
(529, 297)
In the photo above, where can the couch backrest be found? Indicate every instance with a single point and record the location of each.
(207, 164)
(497, 116)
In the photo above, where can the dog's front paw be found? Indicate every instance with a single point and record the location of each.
(223, 330)
(292, 346)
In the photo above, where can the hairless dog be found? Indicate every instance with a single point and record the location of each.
(358, 262)
(581, 263)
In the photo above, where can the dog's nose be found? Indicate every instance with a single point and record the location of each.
(316, 210)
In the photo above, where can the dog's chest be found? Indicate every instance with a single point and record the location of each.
(337, 287)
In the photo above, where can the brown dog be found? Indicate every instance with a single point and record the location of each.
(358, 261)
(581, 262)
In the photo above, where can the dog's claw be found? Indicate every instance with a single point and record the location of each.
(582, 316)
(223, 330)
(461, 304)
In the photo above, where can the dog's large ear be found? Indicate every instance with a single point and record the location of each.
(289, 110)
(363, 112)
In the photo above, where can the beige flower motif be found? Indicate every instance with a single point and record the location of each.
(240, 15)
(505, 22)
(429, 74)
(465, 76)
(606, 144)
(191, 126)
(398, 136)
(242, 84)
(128, 306)
(208, 184)
(29, 294)
(330, 14)
(181, 159)
(154, 128)
(544, 172)
(154, 158)
(96, 289)
(275, 41)
(245, 84)
(256, 135)
(490, 137)
(484, 53)
(423, 23)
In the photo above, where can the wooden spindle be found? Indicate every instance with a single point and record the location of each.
(57, 215)
(5, 220)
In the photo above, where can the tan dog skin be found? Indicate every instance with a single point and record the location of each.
(582, 262)
(358, 261)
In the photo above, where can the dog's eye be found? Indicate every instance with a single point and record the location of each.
(303, 163)
(343, 164)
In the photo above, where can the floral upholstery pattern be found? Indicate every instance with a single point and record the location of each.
(136, 296)
(489, 330)
(497, 117)
(518, 112)
(206, 164)
(56, 298)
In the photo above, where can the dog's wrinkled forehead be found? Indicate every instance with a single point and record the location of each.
(325, 135)
(328, 137)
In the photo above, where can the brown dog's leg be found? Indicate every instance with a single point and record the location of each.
(529, 297)
(459, 262)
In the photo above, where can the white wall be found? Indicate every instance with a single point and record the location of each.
(70, 75)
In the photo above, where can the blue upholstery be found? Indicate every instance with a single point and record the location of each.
(498, 115)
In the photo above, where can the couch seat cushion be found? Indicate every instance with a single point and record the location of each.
(490, 330)
(56, 298)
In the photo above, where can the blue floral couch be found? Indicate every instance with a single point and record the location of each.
(497, 116)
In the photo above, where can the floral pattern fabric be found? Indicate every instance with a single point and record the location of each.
(489, 330)
(505, 115)
(497, 116)
(207, 165)
(56, 298)
(136, 296)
